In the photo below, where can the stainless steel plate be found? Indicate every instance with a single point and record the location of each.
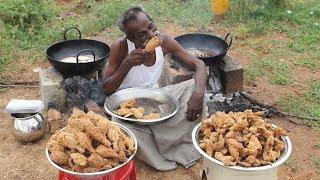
(100, 173)
(283, 157)
(153, 101)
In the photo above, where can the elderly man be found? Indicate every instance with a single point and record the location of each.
(165, 144)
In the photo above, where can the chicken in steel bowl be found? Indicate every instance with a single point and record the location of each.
(242, 139)
(90, 143)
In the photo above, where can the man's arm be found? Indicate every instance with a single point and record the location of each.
(119, 66)
(116, 71)
(195, 103)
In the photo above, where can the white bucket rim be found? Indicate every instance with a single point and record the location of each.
(281, 160)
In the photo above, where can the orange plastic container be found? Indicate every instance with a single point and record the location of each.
(219, 7)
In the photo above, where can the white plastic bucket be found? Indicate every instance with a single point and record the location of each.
(216, 170)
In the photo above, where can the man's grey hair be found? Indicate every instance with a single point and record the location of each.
(130, 14)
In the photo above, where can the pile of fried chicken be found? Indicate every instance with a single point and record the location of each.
(90, 143)
(241, 138)
(127, 109)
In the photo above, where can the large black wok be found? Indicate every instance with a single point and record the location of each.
(74, 48)
(210, 49)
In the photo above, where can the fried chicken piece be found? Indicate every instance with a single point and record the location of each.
(96, 161)
(229, 134)
(245, 130)
(59, 157)
(106, 167)
(268, 153)
(152, 116)
(84, 141)
(222, 120)
(129, 103)
(254, 143)
(71, 151)
(238, 136)
(122, 156)
(152, 44)
(129, 143)
(69, 141)
(103, 125)
(78, 159)
(218, 146)
(114, 136)
(75, 121)
(221, 130)
(137, 112)
(214, 137)
(77, 168)
(53, 145)
(121, 145)
(125, 112)
(253, 129)
(74, 167)
(278, 145)
(264, 132)
(278, 132)
(253, 146)
(207, 145)
(208, 122)
(106, 152)
(228, 122)
(71, 130)
(234, 143)
(207, 132)
(235, 148)
(270, 156)
(255, 120)
(246, 138)
(97, 119)
(239, 125)
(113, 161)
(227, 160)
(252, 160)
(95, 133)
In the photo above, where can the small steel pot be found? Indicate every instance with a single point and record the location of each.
(28, 127)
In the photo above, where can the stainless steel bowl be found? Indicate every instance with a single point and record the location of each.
(152, 100)
(100, 173)
(28, 127)
(284, 156)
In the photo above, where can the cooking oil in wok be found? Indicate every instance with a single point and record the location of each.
(82, 59)
(202, 53)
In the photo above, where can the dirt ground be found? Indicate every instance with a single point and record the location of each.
(28, 161)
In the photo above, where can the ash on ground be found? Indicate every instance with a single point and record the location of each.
(80, 90)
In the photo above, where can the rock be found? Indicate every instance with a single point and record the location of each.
(52, 87)
(231, 75)
(55, 120)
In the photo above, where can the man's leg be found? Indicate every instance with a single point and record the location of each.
(147, 149)
(173, 137)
